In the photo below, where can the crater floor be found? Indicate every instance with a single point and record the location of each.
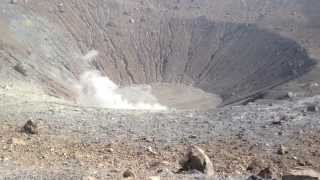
(183, 97)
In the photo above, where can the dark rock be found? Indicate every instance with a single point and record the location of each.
(30, 127)
(276, 123)
(255, 165)
(265, 173)
(312, 108)
(192, 136)
(196, 160)
(21, 69)
(147, 139)
(128, 173)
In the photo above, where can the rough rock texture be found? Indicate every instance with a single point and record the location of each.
(231, 48)
(302, 174)
(75, 142)
(234, 48)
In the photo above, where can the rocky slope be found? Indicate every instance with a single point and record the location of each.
(231, 48)
(192, 53)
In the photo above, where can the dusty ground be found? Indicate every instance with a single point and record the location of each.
(77, 142)
(233, 48)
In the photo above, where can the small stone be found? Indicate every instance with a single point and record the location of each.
(192, 136)
(132, 21)
(110, 150)
(255, 165)
(115, 170)
(197, 160)
(30, 127)
(266, 173)
(147, 139)
(302, 174)
(128, 173)
(150, 150)
(279, 123)
(291, 95)
(301, 163)
(282, 150)
(312, 108)
(21, 69)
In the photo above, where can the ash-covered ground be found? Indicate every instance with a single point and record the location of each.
(113, 89)
(74, 142)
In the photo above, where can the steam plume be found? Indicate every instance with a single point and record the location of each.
(97, 90)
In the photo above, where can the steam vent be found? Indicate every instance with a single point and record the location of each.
(189, 53)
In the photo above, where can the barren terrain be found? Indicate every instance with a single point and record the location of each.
(239, 79)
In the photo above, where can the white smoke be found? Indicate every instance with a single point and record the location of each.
(93, 89)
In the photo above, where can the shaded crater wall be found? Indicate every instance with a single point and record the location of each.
(234, 60)
(229, 59)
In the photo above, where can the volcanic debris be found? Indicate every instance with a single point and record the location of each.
(128, 173)
(30, 127)
(21, 69)
(196, 159)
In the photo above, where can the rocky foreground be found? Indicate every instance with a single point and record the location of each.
(57, 140)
